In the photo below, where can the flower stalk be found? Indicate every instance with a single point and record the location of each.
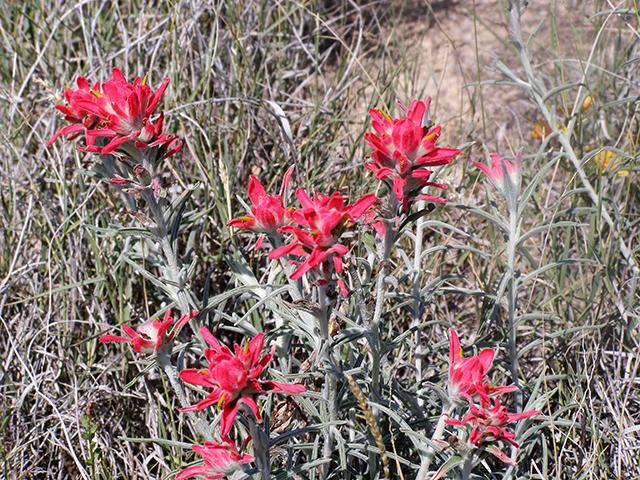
(506, 178)
(329, 390)
(512, 300)
(384, 244)
(260, 448)
(417, 300)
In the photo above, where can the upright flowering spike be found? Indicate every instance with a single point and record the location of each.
(233, 379)
(325, 219)
(487, 424)
(150, 336)
(219, 460)
(467, 375)
(403, 149)
(268, 211)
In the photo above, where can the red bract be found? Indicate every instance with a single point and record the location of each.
(118, 111)
(233, 379)
(403, 149)
(152, 335)
(79, 118)
(268, 211)
(326, 219)
(495, 172)
(219, 460)
(504, 176)
(487, 424)
(466, 375)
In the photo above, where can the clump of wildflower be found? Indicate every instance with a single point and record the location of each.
(219, 460)
(233, 379)
(323, 220)
(151, 336)
(404, 150)
(268, 212)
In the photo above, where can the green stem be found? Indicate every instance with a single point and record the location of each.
(330, 382)
(384, 252)
(513, 299)
(469, 462)
(417, 300)
(260, 448)
(172, 273)
(172, 265)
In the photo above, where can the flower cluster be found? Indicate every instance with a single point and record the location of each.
(467, 375)
(118, 112)
(151, 336)
(321, 223)
(233, 379)
(316, 228)
(404, 150)
(488, 425)
(467, 378)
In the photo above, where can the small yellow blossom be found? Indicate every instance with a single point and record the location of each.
(583, 108)
(606, 157)
(541, 129)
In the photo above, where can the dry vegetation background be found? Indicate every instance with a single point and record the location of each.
(63, 283)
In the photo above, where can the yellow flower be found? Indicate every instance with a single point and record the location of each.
(584, 107)
(541, 129)
(606, 157)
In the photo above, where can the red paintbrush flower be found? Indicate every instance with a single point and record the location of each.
(325, 220)
(233, 379)
(503, 175)
(403, 149)
(488, 423)
(268, 211)
(118, 111)
(467, 375)
(152, 335)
